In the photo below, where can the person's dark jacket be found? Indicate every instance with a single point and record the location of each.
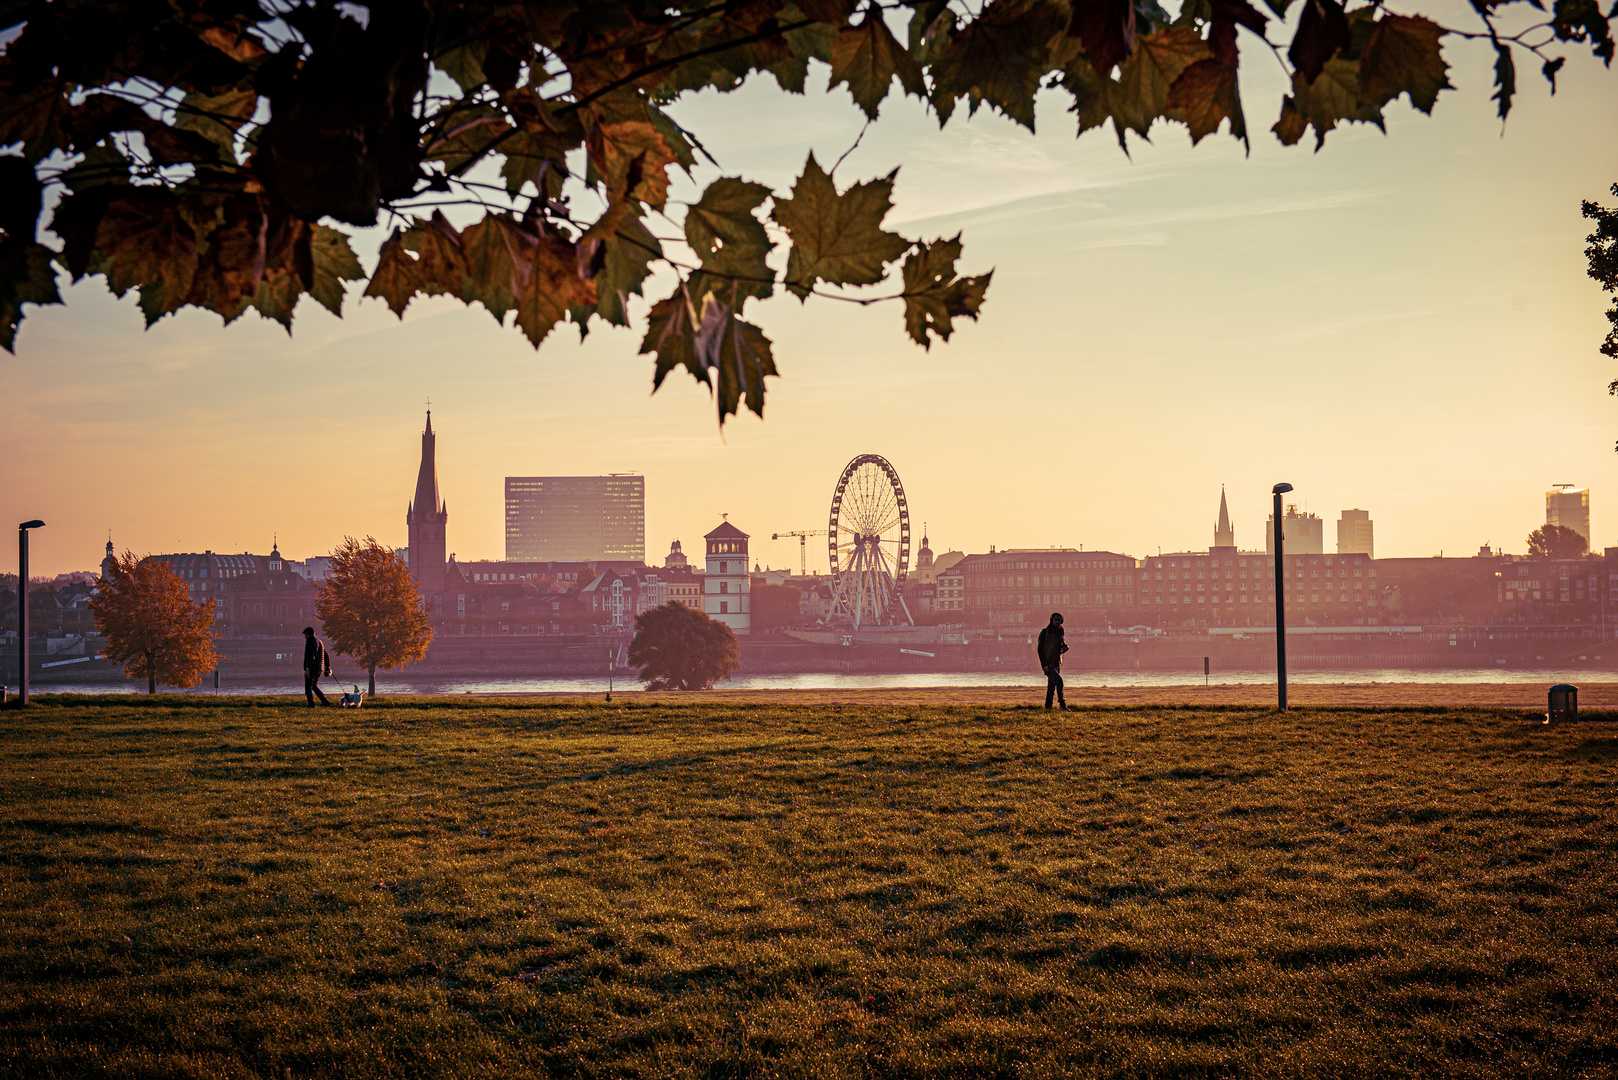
(1051, 646)
(316, 661)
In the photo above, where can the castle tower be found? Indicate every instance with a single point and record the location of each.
(924, 558)
(426, 517)
(727, 587)
(1224, 532)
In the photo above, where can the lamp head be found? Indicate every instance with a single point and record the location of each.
(1280, 489)
(35, 524)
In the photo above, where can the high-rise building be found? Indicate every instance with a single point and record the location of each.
(576, 518)
(1305, 534)
(1354, 533)
(426, 517)
(1224, 532)
(1569, 509)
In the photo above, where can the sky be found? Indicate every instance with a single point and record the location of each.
(1400, 323)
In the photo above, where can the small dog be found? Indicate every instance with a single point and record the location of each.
(352, 701)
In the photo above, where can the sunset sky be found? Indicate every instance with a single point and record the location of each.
(1400, 323)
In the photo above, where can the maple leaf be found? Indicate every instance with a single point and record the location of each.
(729, 240)
(334, 262)
(737, 353)
(27, 276)
(868, 57)
(671, 336)
(934, 296)
(1322, 30)
(1227, 15)
(1000, 57)
(441, 256)
(1402, 56)
(622, 257)
(394, 279)
(837, 237)
(499, 261)
(1331, 98)
(1107, 29)
(141, 240)
(1204, 95)
(554, 286)
(1141, 93)
(632, 158)
(231, 257)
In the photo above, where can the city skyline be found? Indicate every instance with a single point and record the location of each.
(1159, 325)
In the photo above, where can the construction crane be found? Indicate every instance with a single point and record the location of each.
(803, 547)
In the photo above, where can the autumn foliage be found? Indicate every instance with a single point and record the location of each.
(206, 150)
(370, 608)
(144, 610)
(677, 648)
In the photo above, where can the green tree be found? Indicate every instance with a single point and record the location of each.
(1557, 542)
(370, 608)
(144, 610)
(204, 152)
(680, 649)
(776, 606)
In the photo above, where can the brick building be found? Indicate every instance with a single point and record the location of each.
(1020, 587)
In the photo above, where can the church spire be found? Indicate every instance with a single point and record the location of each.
(1224, 534)
(426, 518)
(426, 500)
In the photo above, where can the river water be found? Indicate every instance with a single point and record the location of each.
(585, 684)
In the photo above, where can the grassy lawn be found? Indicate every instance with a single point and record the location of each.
(196, 887)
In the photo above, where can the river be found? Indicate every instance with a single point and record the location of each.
(583, 684)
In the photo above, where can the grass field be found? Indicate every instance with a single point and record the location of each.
(197, 887)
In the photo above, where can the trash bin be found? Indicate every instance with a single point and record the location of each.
(1562, 704)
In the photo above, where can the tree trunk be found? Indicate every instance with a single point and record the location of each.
(151, 682)
(372, 692)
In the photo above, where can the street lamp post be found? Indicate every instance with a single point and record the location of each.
(22, 607)
(1280, 599)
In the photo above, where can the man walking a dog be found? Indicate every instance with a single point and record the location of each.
(1051, 648)
(316, 662)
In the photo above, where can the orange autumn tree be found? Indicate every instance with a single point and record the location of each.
(144, 610)
(371, 609)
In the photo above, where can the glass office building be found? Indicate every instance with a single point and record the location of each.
(576, 518)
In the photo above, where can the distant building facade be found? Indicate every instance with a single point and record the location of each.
(1569, 509)
(1237, 588)
(727, 584)
(1019, 588)
(1304, 534)
(1354, 533)
(579, 518)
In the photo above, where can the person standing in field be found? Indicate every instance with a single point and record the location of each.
(1051, 648)
(316, 662)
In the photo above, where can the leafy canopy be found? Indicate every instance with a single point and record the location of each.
(677, 648)
(208, 152)
(144, 610)
(1557, 542)
(370, 608)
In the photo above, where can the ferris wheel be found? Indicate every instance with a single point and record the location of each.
(868, 541)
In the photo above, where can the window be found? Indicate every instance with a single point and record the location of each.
(724, 607)
(724, 586)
